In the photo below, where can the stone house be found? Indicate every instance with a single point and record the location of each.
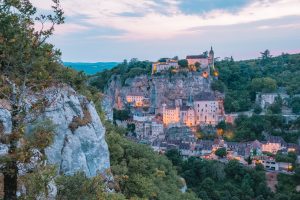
(135, 99)
(274, 144)
(163, 66)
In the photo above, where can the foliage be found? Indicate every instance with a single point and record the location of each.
(295, 105)
(275, 108)
(36, 183)
(183, 63)
(257, 109)
(265, 85)
(121, 72)
(244, 78)
(79, 187)
(141, 173)
(221, 152)
(121, 115)
(215, 180)
(174, 156)
(218, 86)
(291, 157)
(287, 186)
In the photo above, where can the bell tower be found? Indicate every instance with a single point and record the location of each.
(211, 56)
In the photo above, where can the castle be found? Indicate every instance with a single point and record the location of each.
(203, 59)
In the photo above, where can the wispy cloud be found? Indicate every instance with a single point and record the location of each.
(153, 19)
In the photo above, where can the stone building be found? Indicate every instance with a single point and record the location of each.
(171, 114)
(274, 144)
(204, 60)
(209, 109)
(163, 66)
(136, 99)
(267, 99)
(204, 109)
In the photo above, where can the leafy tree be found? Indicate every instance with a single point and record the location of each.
(257, 109)
(79, 186)
(174, 156)
(221, 152)
(265, 57)
(295, 104)
(183, 63)
(27, 61)
(141, 173)
(121, 114)
(197, 65)
(218, 85)
(266, 84)
(275, 108)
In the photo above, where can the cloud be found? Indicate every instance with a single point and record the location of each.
(164, 19)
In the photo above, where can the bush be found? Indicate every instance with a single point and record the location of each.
(221, 152)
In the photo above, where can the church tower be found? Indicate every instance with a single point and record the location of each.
(211, 56)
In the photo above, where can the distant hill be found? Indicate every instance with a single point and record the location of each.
(91, 68)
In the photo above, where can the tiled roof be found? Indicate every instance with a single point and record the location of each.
(196, 57)
(276, 139)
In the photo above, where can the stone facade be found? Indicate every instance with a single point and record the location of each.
(206, 109)
(163, 66)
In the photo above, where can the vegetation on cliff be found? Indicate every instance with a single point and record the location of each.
(241, 80)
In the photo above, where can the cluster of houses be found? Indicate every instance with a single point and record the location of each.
(204, 109)
(175, 124)
(256, 150)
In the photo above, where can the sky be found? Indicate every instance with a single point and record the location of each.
(114, 30)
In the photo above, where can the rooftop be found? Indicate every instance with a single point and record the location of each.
(196, 56)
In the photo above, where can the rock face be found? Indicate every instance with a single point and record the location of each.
(5, 126)
(159, 89)
(79, 142)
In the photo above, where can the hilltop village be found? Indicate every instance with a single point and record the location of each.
(174, 106)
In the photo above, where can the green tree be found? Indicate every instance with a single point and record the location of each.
(295, 104)
(218, 85)
(183, 63)
(27, 61)
(221, 152)
(174, 156)
(257, 109)
(265, 84)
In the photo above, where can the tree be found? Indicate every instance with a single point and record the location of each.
(218, 85)
(295, 104)
(183, 63)
(257, 109)
(221, 152)
(26, 63)
(197, 65)
(265, 57)
(174, 156)
(275, 108)
(266, 84)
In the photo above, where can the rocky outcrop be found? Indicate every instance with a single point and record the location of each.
(79, 141)
(159, 88)
(5, 128)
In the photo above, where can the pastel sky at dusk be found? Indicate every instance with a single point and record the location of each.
(113, 30)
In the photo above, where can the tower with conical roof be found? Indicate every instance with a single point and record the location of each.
(211, 56)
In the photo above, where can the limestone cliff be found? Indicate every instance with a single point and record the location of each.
(159, 88)
(79, 141)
